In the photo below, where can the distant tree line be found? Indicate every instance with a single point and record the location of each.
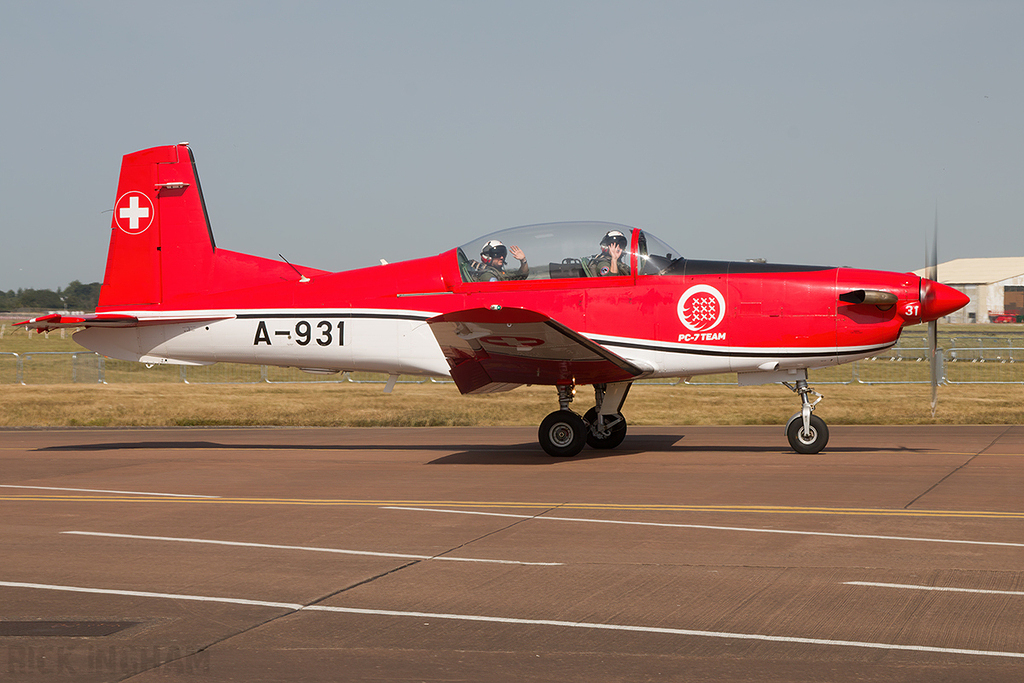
(75, 297)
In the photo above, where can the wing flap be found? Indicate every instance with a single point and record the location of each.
(497, 349)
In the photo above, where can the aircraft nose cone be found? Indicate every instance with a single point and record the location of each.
(938, 300)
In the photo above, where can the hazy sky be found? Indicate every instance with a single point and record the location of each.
(340, 133)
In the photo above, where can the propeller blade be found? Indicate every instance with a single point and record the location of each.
(932, 257)
(933, 365)
(932, 275)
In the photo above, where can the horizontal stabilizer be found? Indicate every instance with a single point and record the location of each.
(58, 320)
(496, 349)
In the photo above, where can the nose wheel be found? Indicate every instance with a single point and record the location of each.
(807, 433)
(810, 440)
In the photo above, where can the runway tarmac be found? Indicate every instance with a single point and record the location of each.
(467, 554)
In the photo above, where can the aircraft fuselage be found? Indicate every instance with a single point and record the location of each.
(750, 318)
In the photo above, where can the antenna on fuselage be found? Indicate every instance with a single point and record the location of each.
(302, 278)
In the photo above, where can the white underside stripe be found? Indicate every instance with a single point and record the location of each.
(606, 340)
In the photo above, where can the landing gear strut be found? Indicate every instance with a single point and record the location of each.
(807, 433)
(563, 433)
(607, 426)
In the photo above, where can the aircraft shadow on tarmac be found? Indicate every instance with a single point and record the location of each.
(527, 453)
(523, 454)
(471, 454)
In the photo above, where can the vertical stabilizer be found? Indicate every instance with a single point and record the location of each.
(161, 244)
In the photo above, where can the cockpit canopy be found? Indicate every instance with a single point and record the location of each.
(565, 250)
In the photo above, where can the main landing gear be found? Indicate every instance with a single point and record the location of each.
(563, 433)
(807, 433)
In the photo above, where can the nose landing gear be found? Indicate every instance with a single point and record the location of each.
(807, 433)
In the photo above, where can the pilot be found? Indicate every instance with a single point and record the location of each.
(492, 266)
(609, 261)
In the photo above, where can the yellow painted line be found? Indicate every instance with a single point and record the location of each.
(597, 507)
(259, 447)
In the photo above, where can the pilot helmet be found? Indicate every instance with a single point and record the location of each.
(613, 236)
(492, 250)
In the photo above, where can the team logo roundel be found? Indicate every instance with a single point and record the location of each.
(701, 308)
(134, 212)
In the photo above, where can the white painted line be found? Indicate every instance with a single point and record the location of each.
(931, 588)
(130, 493)
(532, 622)
(707, 526)
(671, 631)
(145, 594)
(310, 548)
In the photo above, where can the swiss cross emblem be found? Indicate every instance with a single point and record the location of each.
(701, 308)
(134, 212)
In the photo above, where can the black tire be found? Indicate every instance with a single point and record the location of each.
(613, 438)
(807, 443)
(563, 434)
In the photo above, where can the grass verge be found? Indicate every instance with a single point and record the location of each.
(431, 405)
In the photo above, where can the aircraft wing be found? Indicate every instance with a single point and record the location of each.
(499, 349)
(57, 320)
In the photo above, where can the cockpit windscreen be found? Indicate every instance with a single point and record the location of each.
(564, 250)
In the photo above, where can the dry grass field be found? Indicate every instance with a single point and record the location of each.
(57, 403)
(440, 405)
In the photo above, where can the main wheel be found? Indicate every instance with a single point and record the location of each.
(813, 441)
(612, 438)
(562, 434)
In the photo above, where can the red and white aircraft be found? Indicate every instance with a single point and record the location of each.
(567, 316)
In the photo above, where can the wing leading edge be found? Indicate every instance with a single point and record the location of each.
(499, 349)
(57, 320)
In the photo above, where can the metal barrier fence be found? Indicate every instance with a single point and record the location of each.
(965, 360)
(981, 360)
(86, 367)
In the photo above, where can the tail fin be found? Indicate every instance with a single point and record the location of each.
(162, 252)
(161, 244)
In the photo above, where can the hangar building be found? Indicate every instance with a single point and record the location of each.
(995, 286)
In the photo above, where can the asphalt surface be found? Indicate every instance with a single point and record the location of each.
(467, 554)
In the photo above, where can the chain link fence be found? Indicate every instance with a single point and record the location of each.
(965, 360)
(86, 367)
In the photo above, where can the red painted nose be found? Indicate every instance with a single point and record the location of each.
(938, 300)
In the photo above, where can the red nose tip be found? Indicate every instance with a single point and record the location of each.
(938, 300)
